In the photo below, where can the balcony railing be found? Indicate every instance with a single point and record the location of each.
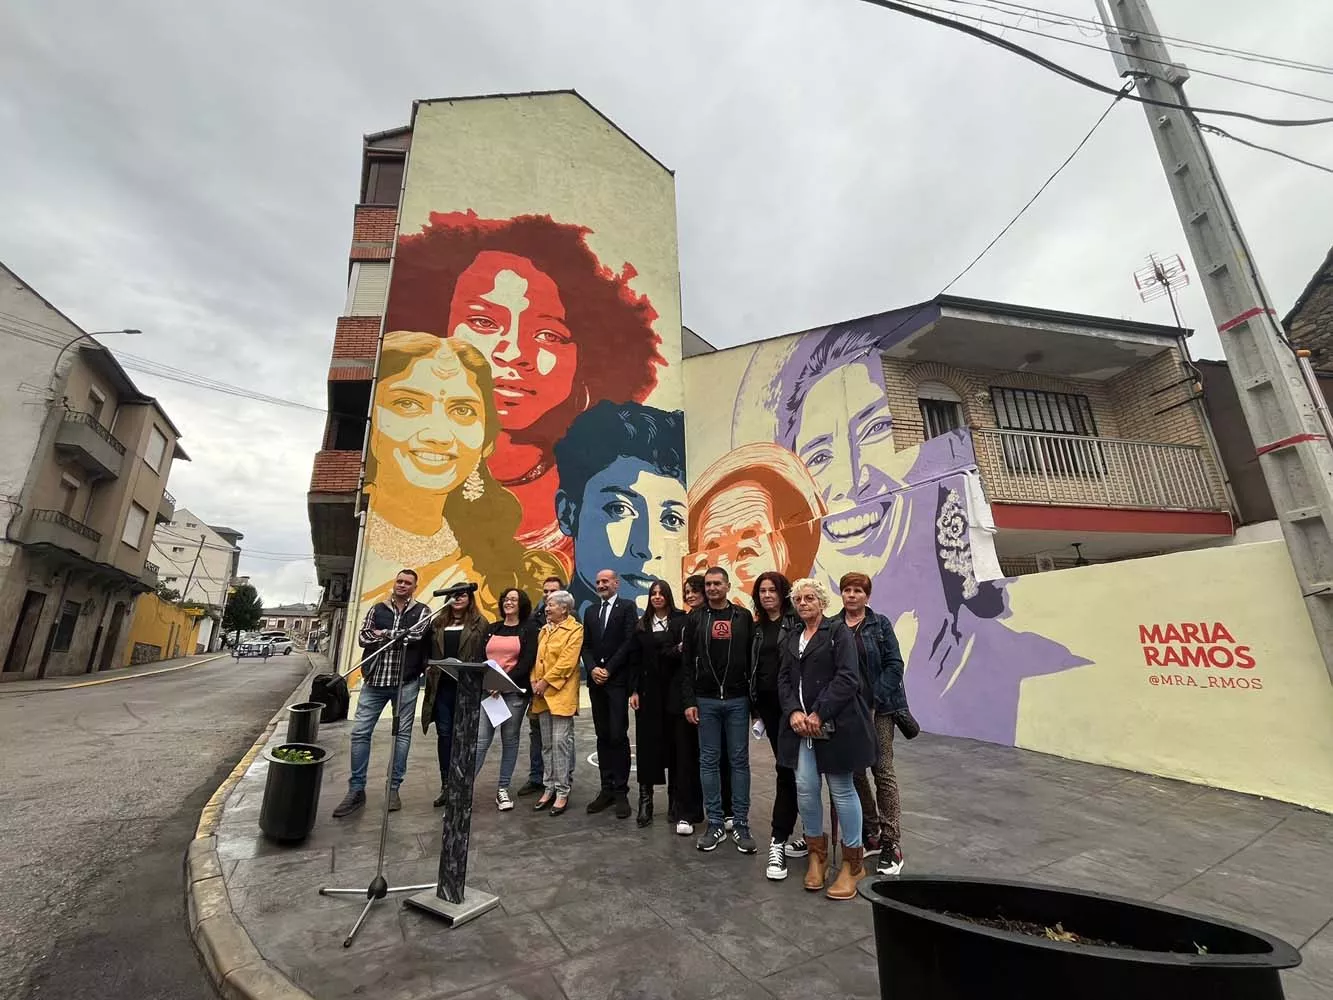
(150, 568)
(75, 417)
(67, 522)
(1064, 469)
(168, 498)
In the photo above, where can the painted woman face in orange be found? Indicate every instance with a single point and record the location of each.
(512, 312)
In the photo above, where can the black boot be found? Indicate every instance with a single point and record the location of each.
(645, 805)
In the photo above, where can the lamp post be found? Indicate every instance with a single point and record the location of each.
(84, 335)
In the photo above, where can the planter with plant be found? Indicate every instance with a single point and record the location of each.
(956, 937)
(291, 793)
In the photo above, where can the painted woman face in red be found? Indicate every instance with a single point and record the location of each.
(512, 312)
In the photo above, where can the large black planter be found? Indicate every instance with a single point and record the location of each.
(291, 794)
(303, 722)
(925, 955)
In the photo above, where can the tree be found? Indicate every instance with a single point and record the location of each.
(244, 609)
(168, 594)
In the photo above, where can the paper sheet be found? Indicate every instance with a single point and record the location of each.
(497, 710)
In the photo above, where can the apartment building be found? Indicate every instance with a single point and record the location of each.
(83, 472)
(199, 562)
(296, 620)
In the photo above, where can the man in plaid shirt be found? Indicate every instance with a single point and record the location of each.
(404, 662)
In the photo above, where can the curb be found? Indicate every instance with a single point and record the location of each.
(238, 970)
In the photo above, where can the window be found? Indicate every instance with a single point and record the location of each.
(191, 524)
(177, 548)
(384, 180)
(1045, 415)
(157, 449)
(96, 403)
(282, 623)
(69, 494)
(65, 626)
(367, 289)
(135, 521)
(941, 409)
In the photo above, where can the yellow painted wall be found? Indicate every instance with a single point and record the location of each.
(1267, 729)
(153, 624)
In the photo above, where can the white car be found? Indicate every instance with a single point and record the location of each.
(253, 645)
(280, 642)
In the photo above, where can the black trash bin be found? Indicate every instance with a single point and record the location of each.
(303, 722)
(956, 937)
(291, 793)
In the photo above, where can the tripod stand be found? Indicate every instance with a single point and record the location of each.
(379, 886)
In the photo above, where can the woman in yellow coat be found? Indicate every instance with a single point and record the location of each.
(555, 698)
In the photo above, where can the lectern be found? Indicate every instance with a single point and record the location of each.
(451, 899)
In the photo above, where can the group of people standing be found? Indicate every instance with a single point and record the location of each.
(827, 692)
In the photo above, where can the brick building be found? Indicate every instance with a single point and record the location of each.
(1310, 322)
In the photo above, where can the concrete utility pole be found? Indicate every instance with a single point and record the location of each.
(185, 594)
(1294, 451)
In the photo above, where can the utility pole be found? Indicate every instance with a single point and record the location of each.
(190, 579)
(1293, 449)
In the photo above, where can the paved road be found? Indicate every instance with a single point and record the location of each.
(100, 794)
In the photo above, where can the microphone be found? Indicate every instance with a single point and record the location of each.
(457, 590)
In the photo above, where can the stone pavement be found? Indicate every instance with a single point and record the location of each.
(593, 907)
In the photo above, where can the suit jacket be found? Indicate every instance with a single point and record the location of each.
(609, 648)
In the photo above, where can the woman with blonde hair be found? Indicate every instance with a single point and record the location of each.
(555, 698)
(827, 735)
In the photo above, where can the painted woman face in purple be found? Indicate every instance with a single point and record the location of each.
(843, 433)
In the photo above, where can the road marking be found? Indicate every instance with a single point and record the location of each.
(131, 677)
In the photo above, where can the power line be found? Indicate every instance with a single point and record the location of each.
(1055, 19)
(1124, 92)
(1207, 48)
(1079, 78)
(1213, 129)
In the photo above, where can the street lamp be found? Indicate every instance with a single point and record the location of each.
(84, 335)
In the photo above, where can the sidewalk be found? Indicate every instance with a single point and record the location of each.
(107, 676)
(593, 907)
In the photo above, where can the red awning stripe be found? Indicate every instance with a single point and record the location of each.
(1246, 315)
(1288, 442)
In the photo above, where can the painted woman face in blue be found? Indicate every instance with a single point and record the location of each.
(844, 436)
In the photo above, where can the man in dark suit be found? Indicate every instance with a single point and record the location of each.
(608, 626)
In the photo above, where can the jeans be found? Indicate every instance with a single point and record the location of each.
(445, 699)
(558, 752)
(369, 707)
(510, 731)
(535, 750)
(841, 789)
(732, 717)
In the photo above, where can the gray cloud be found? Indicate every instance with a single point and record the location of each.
(190, 171)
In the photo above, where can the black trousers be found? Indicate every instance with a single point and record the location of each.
(784, 796)
(610, 717)
(687, 794)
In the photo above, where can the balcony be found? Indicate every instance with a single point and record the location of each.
(149, 575)
(54, 528)
(166, 508)
(1027, 467)
(90, 445)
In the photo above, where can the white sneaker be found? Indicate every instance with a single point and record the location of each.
(797, 848)
(685, 829)
(777, 862)
(502, 800)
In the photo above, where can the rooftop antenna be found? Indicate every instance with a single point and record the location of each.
(1161, 277)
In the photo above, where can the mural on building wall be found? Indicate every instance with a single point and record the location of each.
(813, 484)
(513, 433)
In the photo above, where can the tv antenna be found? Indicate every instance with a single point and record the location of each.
(1161, 277)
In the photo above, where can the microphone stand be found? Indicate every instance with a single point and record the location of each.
(379, 886)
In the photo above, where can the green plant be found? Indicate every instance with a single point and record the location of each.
(292, 755)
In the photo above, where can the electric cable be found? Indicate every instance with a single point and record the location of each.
(1079, 78)
(1214, 130)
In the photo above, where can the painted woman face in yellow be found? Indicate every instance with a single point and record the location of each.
(430, 425)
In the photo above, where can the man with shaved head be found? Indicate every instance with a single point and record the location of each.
(608, 627)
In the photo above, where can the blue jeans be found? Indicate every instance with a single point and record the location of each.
(510, 731)
(369, 707)
(732, 717)
(811, 806)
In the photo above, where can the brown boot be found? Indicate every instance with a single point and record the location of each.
(814, 875)
(852, 871)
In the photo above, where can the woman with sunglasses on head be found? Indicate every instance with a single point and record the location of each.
(653, 658)
(512, 643)
(460, 634)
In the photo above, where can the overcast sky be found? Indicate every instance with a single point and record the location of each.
(192, 174)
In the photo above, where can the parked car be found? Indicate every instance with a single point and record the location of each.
(280, 641)
(253, 645)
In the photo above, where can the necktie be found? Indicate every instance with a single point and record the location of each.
(606, 613)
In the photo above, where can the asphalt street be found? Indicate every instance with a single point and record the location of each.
(101, 791)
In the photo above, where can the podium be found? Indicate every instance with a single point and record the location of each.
(451, 899)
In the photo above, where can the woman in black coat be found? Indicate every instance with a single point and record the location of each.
(828, 735)
(654, 662)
